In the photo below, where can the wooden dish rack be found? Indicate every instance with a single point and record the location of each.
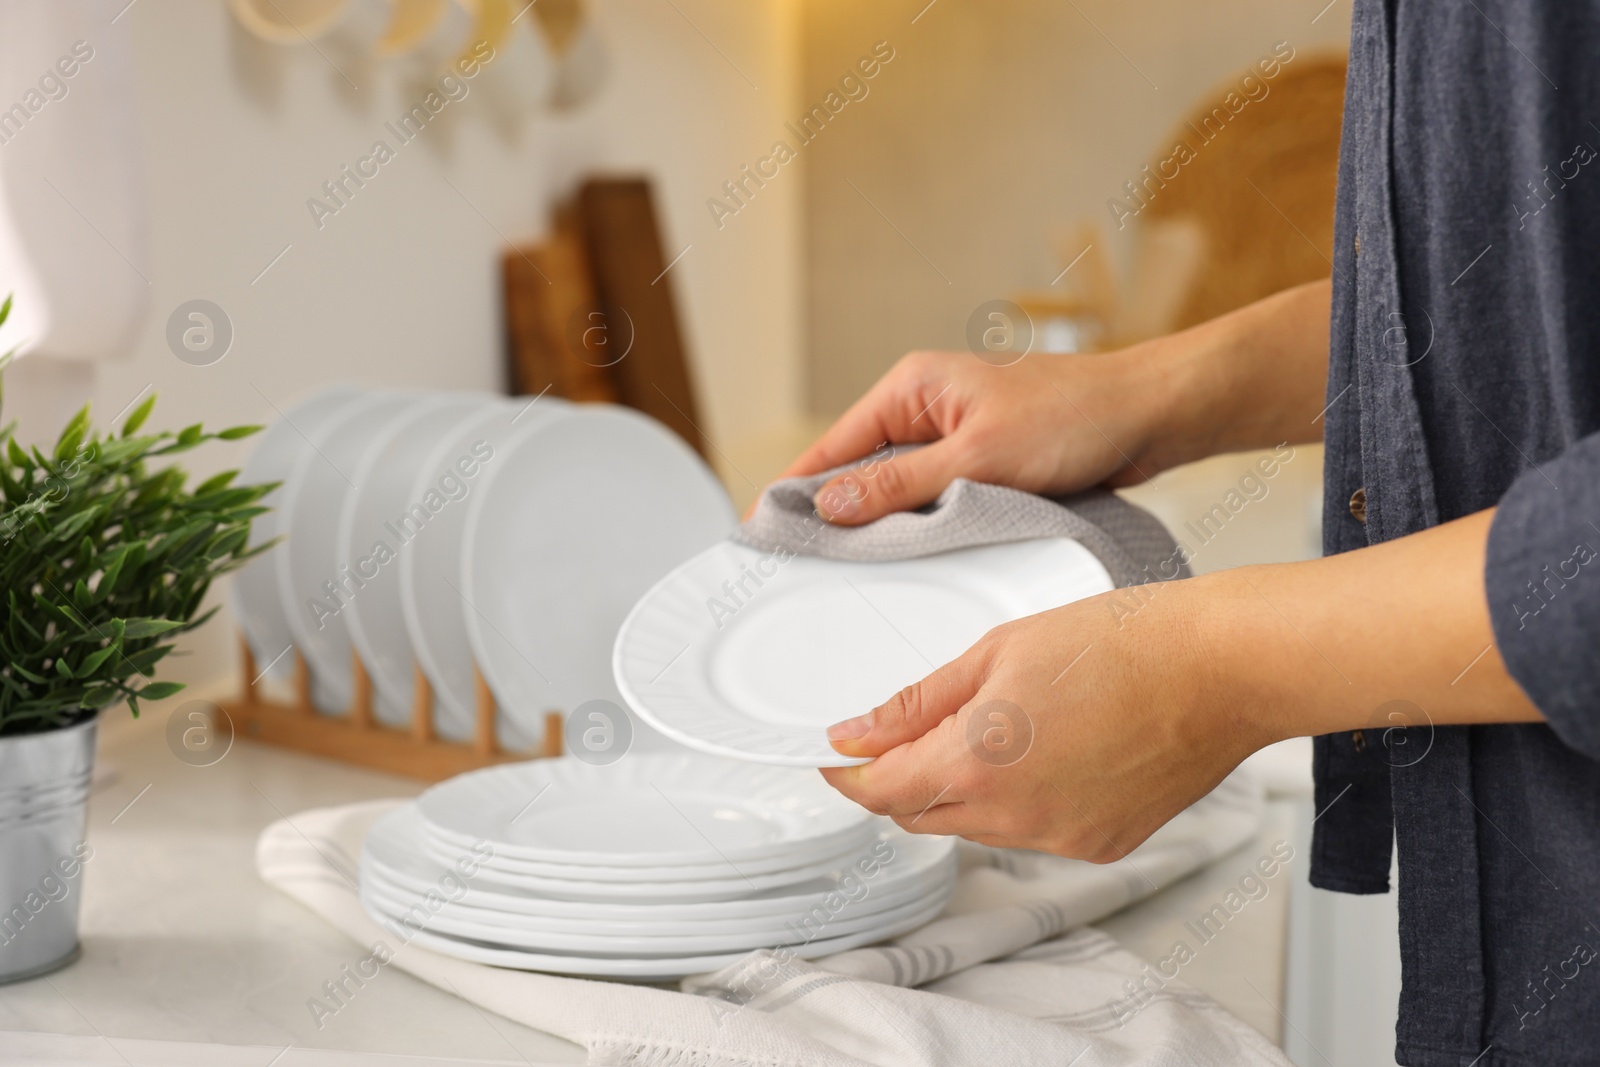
(416, 752)
(605, 252)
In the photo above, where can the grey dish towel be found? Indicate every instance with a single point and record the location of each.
(1130, 542)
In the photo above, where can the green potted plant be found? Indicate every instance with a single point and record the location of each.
(105, 557)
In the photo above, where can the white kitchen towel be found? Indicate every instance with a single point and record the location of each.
(997, 980)
(1128, 541)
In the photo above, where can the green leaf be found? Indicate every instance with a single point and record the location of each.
(131, 424)
(227, 543)
(190, 435)
(138, 629)
(227, 499)
(95, 660)
(215, 482)
(233, 433)
(137, 552)
(159, 690)
(116, 453)
(74, 525)
(100, 696)
(72, 436)
(60, 615)
(14, 493)
(144, 661)
(17, 456)
(108, 578)
(27, 675)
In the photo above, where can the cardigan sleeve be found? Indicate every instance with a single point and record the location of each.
(1542, 578)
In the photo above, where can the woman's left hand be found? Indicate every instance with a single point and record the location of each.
(1078, 731)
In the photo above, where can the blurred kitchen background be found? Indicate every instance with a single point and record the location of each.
(979, 163)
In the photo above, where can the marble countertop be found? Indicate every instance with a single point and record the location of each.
(189, 957)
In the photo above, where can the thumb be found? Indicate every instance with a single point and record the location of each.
(900, 483)
(914, 710)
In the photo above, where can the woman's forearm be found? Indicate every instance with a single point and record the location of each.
(1397, 634)
(1253, 378)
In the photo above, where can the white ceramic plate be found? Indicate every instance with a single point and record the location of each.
(482, 904)
(450, 921)
(256, 603)
(383, 521)
(646, 810)
(455, 844)
(661, 968)
(313, 583)
(584, 514)
(430, 573)
(656, 892)
(761, 671)
(915, 864)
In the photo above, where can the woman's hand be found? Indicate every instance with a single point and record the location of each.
(1057, 424)
(1081, 730)
(1047, 424)
(1078, 731)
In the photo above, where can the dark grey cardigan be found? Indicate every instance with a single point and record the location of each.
(1465, 373)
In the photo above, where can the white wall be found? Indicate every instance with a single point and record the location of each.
(401, 286)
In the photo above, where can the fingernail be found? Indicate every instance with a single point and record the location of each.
(834, 504)
(850, 729)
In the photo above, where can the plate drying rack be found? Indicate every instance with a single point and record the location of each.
(359, 738)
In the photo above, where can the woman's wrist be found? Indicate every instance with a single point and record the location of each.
(1250, 379)
(1230, 664)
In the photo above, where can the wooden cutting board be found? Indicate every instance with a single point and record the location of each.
(554, 325)
(623, 239)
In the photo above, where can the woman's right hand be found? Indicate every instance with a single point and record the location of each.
(1046, 424)
(1253, 378)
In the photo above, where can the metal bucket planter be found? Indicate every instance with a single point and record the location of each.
(44, 792)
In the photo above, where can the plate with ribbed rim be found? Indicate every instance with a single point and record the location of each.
(431, 607)
(315, 581)
(583, 515)
(450, 846)
(902, 865)
(387, 517)
(752, 655)
(450, 921)
(256, 603)
(727, 885)
(645, 810)
(927, 868)
(647, 968)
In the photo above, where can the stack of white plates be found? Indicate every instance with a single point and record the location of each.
(452, 530)
(655, 867)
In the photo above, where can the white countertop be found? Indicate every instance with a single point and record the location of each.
(182, 943)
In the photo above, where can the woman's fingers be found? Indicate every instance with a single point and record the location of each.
(886, 414)
(905, 781)
(901, 482)
(957, 819)
(913, 711)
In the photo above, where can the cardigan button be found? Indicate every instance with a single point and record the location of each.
(1358, 244)
(1358, 505)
